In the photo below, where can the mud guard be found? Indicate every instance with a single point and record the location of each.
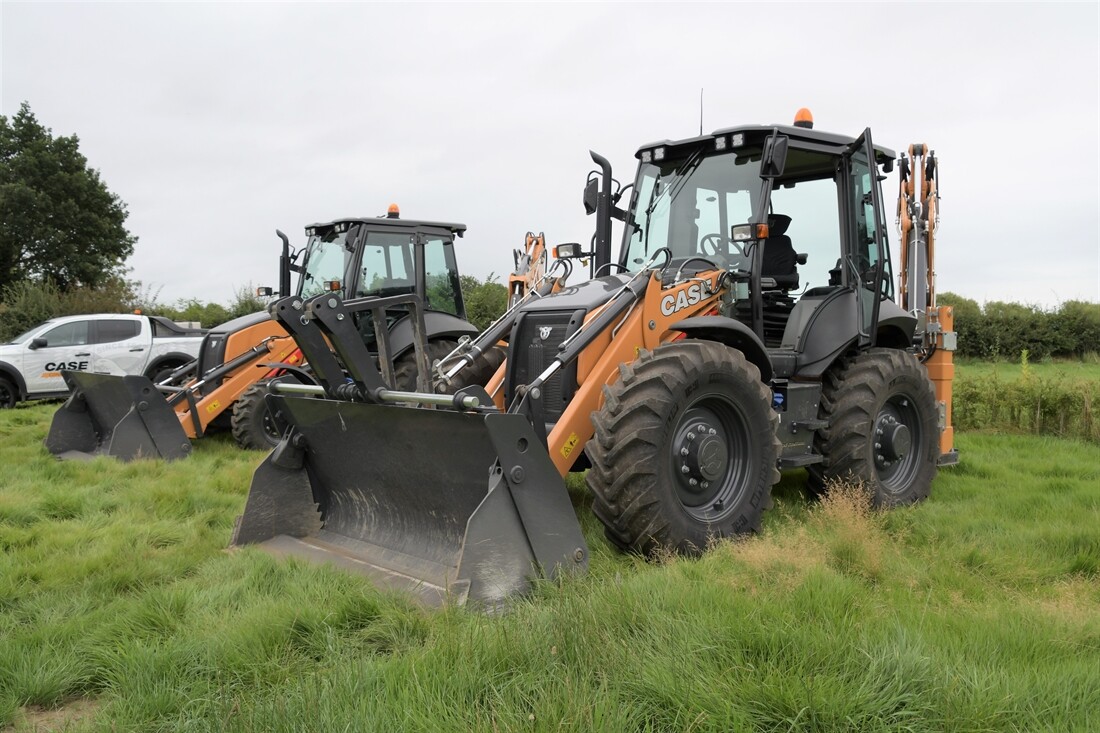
(125, 417)
(450, 507)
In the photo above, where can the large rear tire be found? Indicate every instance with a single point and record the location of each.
(405, 369)
(479, 373)
(9, 395)
(883, 427)
(684, 449)
(255, 427)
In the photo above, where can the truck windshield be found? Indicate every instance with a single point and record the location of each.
(326, 260)
(688, 204)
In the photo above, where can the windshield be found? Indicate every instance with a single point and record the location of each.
(25, 336)
(688, 204)
(326, 259)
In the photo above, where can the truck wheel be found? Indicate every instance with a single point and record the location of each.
(161, 372)
(255, 427)
(883, 427)
(9, 395)
(684, 449)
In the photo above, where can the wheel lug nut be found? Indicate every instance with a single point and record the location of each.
(712, 431)
(705, 484)
(685, 470)
(691, 436)
(684, 452)
(693, 482)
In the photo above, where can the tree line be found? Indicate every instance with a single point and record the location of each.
(999, 330)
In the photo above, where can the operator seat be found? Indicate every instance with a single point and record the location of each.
(781, 265)
(780, 259)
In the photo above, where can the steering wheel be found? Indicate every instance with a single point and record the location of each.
(712, 244)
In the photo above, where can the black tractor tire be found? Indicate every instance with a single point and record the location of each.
(684, 450)
(254, 426)
(883, 427)
(9, 395)
(480, 372)
(405, 369)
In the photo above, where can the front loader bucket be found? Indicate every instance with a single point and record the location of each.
(447, 506)
(125, 417)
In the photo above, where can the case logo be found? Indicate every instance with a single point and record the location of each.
(545, 331)
(686, 298)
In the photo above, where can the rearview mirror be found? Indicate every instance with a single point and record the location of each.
(591, 190)
(775, 156)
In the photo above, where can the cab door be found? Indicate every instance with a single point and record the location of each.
(120, 347)
(867, 254)
(66, 346)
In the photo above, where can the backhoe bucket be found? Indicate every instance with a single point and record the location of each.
(125, 417)
(451, 507)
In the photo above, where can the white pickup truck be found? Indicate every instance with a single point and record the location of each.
(30, 366)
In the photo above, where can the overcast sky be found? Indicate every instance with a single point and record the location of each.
(218, 123)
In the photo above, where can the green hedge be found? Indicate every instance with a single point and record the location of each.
(1005, 330)
(1042, 405)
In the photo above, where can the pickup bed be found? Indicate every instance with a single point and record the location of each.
(30, 366)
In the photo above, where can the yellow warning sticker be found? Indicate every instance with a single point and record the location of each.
(213, 406)
(570, 444)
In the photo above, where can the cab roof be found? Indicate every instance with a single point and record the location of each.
(395, 224)
(802, 138)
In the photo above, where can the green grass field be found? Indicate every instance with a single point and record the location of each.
(978, 610)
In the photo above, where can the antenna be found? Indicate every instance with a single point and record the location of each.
(700, 111)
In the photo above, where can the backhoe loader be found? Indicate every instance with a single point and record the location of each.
(746, 327)
(131, 417)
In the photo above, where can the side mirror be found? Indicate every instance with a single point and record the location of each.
(38, 343)
(775, 156)
(568, 251)
(591, 190)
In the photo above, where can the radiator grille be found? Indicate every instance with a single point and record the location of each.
(536, 345)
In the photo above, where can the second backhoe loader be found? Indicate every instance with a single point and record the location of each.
(131, 417)
(747, 326)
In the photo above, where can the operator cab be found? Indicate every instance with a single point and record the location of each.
(790, 212)
(382, 257)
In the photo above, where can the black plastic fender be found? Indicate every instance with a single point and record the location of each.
(437, 325)
(732, 333)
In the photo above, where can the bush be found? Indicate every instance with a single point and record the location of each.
(485, 301)
(26, 304)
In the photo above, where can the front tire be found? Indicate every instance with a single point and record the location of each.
(9, 395)
(684, 449)
(883, 428)
(255, 427)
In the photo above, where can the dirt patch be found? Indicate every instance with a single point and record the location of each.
(35, 719)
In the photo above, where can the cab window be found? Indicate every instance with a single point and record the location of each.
(440, 276)
(107, 332)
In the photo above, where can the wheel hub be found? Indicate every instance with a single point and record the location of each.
(892, 440)
(704, 457)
